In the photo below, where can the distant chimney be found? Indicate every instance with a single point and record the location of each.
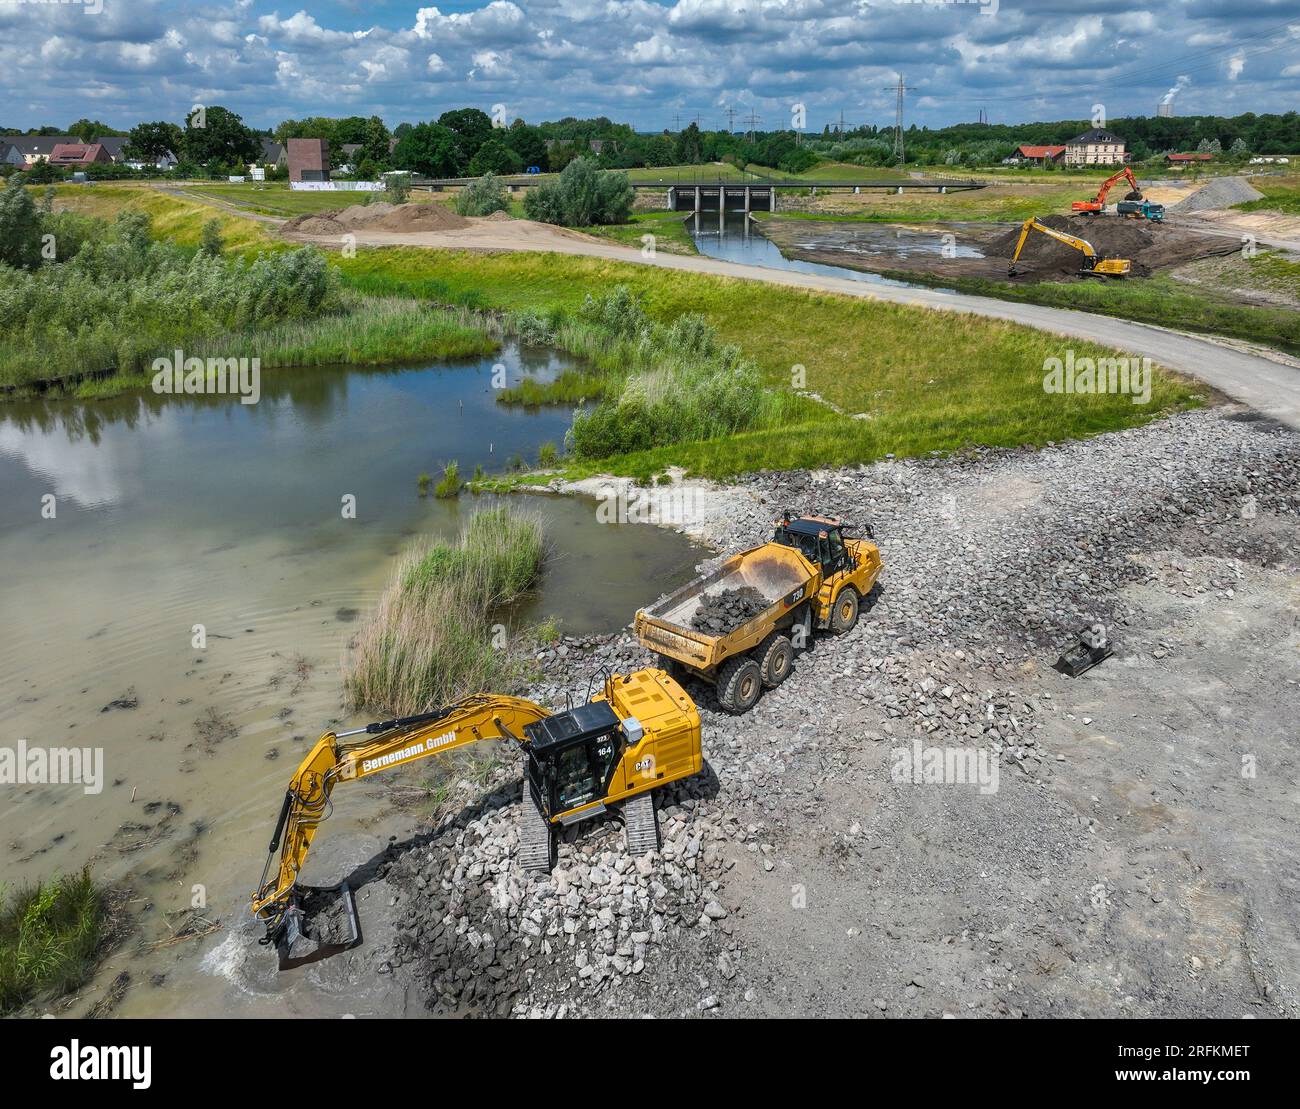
(1165, 109)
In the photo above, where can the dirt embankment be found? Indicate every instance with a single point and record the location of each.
(1148, 246)
(381, 216)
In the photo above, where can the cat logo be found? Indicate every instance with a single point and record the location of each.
(646, 766)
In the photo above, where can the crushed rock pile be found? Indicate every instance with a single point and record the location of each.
(1222, 192)
(722, 612)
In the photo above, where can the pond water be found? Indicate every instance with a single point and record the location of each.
(177, 511)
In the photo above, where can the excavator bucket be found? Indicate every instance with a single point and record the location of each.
(321, 921)
(1084, 654)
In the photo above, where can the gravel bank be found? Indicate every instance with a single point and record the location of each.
(1122, 862)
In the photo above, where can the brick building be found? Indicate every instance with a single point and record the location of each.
(309, 160)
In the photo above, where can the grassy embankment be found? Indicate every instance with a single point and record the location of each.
(430, 640)
(925, 381)
(96, 321)
(50, 935)
(1281, 194)
(1159, 299)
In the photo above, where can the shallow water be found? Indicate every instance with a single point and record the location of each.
(172, 512)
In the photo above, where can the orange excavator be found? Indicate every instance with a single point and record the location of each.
(1098, 203)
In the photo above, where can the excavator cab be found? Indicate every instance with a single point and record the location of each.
(572, 757)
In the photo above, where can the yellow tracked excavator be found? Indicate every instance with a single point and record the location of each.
(1107, 267)
(636, 733)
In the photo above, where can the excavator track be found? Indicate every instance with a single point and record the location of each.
(536, 839)
(640, 824)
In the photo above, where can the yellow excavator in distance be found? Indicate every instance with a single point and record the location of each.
(637, 733)
(1109, 267)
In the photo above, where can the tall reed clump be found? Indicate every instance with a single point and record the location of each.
(49, 936)
(654, 383)
(122, 297)
(430, 640)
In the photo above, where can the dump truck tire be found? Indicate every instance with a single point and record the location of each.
(845, 614)
(536, 838)
(775, 657)
(740, 683)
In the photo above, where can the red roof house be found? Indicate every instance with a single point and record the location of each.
(78, 154)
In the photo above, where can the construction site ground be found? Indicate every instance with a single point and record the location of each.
(1135, 857)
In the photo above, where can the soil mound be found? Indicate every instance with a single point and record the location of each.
(1111, 237)
(380, 216)
(415, 217)
(1222, 192)
(317, 223)
(499, 217)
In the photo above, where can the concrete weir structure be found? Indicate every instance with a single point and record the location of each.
(740, 198)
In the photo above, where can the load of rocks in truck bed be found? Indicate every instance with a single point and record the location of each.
(722, 612)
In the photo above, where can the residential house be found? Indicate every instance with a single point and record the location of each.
(274, 155)
(10, 155)
(78, 155)
(1095, 147)
(40, 148)
(1039, 155)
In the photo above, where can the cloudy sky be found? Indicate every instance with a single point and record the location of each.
(644, 62)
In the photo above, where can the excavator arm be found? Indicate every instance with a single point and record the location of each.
(1032, 224)
(395, 743)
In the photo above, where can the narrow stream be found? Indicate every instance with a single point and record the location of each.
(174, 512)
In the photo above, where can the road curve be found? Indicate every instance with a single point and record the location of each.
(1271, 387)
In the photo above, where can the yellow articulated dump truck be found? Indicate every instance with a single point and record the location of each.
(738, 626)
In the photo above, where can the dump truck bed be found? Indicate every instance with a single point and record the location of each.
(780, 574)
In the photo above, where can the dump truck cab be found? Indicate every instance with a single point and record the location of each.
(840, 559)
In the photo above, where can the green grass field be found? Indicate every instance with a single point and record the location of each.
(925, 381)
(1281, 194)
(668, 228)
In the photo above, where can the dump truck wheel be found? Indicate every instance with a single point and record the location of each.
(846, 611)
(740, 682)
(775, 657)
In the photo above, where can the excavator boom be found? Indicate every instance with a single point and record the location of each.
(1113, 267)
(1098, 202)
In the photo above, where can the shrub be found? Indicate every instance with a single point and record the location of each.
(483, 197)
(449, 484)
(49, 936)
(583, 195)
(211, 242)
